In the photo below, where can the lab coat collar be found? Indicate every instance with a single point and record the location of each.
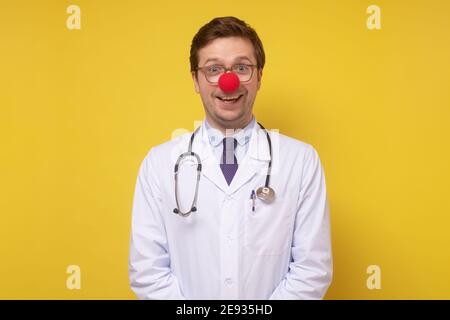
(241, 135)
(258, 145)
(254, 162)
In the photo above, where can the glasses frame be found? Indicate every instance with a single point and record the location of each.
(252, 66)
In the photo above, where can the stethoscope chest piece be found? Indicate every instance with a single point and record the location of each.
(265, 194)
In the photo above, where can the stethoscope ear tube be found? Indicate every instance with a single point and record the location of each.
(266, 193)
(199, 171)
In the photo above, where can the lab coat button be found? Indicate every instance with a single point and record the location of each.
(229, 281)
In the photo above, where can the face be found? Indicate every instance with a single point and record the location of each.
(227, 52)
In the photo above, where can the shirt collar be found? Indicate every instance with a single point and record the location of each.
(242, 136)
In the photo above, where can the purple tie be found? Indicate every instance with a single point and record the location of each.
(229, 164)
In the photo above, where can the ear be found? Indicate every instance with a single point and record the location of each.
(259, 76)
(194, 78)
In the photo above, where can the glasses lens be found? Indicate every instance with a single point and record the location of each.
(213, 73)
(243, 71)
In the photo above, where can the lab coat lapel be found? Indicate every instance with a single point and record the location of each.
(210, 165)
(255, 160)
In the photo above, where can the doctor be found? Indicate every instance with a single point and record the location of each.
(252, 221)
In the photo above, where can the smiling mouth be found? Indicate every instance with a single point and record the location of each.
(230, 99)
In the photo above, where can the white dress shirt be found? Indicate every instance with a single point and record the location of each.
(241, 135)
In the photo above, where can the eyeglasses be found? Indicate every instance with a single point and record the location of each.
(213, 72)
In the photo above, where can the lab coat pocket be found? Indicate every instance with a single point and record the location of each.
(268, 229)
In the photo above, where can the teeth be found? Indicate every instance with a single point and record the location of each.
(229, 98)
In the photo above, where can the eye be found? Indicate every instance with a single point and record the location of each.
(214, 69)
(241, 68)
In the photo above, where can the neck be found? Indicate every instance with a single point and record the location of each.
(228, 129)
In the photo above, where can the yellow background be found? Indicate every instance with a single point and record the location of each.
(81, 108)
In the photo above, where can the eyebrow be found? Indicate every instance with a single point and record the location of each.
(239, 58)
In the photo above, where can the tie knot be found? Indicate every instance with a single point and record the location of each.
(229, 144)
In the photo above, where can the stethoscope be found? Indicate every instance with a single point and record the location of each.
(265, 193)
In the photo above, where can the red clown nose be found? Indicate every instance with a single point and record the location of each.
(229, 82)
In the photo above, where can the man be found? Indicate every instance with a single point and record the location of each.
(230, 244)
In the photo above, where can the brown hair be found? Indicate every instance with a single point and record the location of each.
(223, 27)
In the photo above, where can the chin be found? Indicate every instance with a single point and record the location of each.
(230, 115)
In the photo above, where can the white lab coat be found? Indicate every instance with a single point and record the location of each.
(225, 250)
